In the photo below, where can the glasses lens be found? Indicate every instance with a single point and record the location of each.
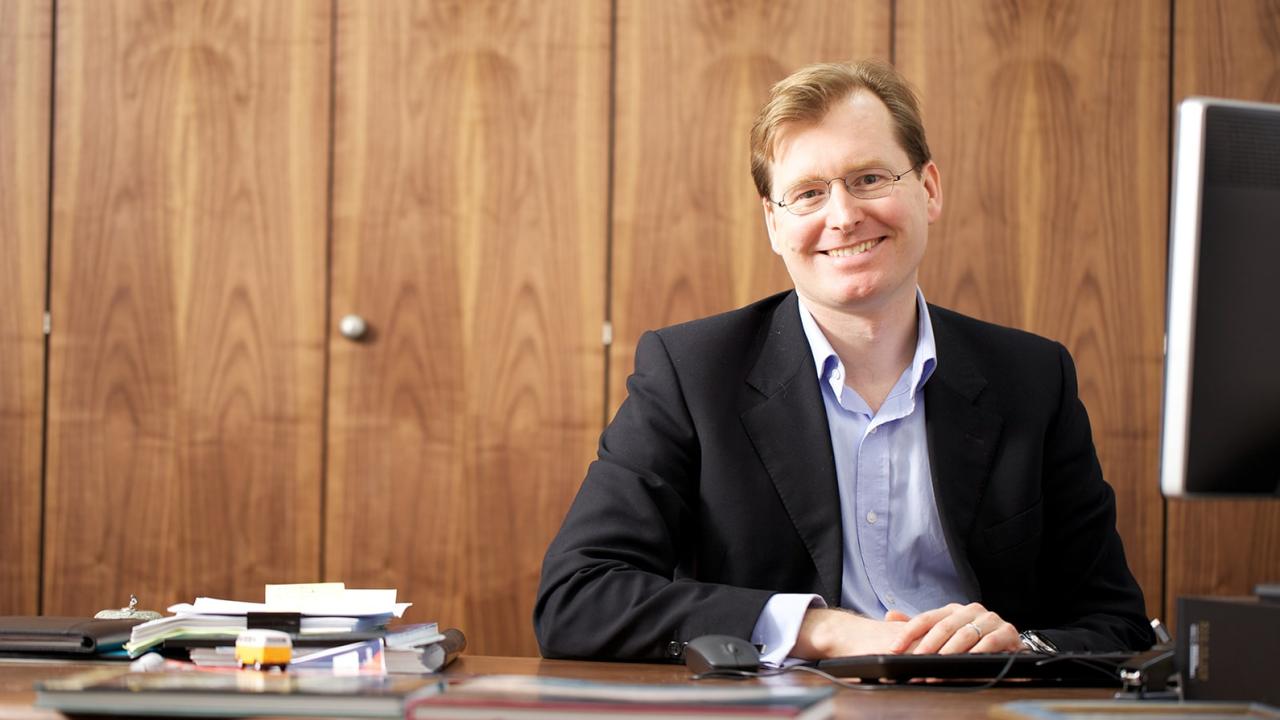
(806, 197)
(869, 184)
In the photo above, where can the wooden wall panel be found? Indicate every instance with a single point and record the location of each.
(1224, 48)
(470, 195)
(187, 356)
(1049, 122)
(688, 229)
(25, 68)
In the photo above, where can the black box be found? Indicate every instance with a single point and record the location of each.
(1229, 649)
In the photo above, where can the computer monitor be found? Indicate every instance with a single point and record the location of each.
(1220, 433)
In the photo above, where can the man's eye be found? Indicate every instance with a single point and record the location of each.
(870, 179)
(811, 193)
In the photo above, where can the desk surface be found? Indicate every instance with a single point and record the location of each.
(17, 677)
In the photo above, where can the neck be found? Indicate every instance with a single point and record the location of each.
(875, 345)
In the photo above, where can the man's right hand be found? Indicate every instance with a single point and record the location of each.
(827, 632)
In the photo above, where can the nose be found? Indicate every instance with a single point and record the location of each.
(844, 211)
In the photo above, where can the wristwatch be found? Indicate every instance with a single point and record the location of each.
(1036, 642)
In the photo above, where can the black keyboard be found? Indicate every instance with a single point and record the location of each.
(1082, 669)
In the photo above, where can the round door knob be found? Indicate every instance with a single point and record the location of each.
(352, 327)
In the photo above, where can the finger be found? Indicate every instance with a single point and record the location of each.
(940, 634)
(929, 618)
(925, 630)
(1003, 639)
(951, 634)
(1003, 636)
(962, 640)
(971, 634)
(918, 626)
(896, 616)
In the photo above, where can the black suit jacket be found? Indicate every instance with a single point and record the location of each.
(715, 487)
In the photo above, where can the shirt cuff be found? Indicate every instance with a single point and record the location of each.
(779, 625)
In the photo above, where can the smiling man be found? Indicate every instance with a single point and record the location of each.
(843, 469)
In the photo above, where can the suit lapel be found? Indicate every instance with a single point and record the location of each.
(790, 434)
(962, 441)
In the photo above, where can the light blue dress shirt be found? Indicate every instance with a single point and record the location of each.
(895, 553)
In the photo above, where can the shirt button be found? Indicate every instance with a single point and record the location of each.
(890, 599)
(871, 517)
(874, 429)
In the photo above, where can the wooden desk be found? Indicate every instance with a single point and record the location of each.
(17, 677)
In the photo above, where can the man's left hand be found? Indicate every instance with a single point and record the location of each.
(956, 628)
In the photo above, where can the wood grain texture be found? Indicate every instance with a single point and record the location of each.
(1223, 48)
(25, 69)
(1049, 122)
(187, 358)
(469, 230)
(688, 229)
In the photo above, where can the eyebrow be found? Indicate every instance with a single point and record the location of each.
(875, 164)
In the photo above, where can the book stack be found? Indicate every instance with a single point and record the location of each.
(329, 611)
(522, 697)
(332, 626)
(406, 649)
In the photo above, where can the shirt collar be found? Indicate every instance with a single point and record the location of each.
(825, 360)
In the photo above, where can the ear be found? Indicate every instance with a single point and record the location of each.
(771, 223)
(933, 190)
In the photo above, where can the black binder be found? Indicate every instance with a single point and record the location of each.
(52, 636)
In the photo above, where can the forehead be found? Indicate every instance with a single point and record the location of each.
(856, 132)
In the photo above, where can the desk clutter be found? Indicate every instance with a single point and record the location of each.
(324, 614)
(329, 651)
(306, 649)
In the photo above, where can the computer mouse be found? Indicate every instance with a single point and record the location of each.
(711, 653)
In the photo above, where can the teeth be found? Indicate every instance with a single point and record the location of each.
(854, 250)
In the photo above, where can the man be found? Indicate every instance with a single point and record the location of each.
(843, 469)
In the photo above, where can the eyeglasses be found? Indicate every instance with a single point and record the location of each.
(812, 195)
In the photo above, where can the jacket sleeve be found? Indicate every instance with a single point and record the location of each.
(1093, 600)
(617, 579)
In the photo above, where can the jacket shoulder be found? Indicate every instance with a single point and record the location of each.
(727, 332)
(988, 337)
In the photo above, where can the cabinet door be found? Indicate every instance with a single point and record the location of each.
(25, 32)
(469, 231)
(1052, 142)
(187, 357)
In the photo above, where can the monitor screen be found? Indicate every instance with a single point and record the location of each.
(1220, 431)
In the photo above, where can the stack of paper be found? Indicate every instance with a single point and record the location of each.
(324, 609)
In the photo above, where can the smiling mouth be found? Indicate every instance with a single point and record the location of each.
(852, 250)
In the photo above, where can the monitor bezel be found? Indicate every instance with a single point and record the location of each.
(1184, 248)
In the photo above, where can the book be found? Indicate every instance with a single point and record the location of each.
(410, 649)
(398, 636)
(300, 609)
(224, 628)
(530, 697)
(233, 693)
(48, 636)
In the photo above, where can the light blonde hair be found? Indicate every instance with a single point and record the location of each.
(808, 94)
